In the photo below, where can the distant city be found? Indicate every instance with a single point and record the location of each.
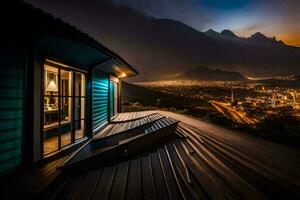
(243, 102)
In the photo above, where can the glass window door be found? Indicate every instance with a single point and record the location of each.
(66, 100)
(79, 110)
(113, 98)
(64, 107)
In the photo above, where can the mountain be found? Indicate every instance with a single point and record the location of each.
(207, 74)
(213, 34)
(255, 39)
(160, 48)
(261, 39)
(229, 33)
(226, 36)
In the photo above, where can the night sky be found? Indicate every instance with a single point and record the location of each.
(152, 34)
(278, 18)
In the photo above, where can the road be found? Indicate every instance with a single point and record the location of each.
(277, 166)
(232, 114)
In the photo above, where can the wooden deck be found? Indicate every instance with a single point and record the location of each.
(189, 165)
(30, 182)
(130, 122)
(51, 144)
(127, 116)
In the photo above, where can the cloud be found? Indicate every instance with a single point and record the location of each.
(254, 27)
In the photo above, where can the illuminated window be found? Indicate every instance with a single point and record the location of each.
(64, 106)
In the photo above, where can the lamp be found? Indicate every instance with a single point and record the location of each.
(123, 75)
(51, 88)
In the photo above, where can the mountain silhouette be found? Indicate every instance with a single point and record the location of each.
(229, 33)
(160, 48)
(255, 39)
(261, 39)
(207, 74)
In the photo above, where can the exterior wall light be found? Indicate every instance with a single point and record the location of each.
(123, 75)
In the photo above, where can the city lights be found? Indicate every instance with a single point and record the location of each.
(248, 101)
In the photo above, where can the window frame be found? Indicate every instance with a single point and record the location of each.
(60, 96)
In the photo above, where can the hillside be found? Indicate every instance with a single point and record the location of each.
(148, 97)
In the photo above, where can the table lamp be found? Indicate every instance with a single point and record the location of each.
(51, 88)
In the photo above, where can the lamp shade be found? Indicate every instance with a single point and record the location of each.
(52, 87)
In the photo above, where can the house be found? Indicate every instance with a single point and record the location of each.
(58, 86)
(60, 91)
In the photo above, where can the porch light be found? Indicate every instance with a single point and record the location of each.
(123, 75)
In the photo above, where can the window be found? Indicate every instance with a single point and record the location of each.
(64, 106)
(113, 98)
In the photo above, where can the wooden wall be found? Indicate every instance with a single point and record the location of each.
(12, 70)
(100, 90)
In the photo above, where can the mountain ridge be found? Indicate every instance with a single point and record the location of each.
(160, 48)
(203, 73)
(255, 39)
(229, 33)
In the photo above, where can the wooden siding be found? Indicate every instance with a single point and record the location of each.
(100, 98)
(11, 108)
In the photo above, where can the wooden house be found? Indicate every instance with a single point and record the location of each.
(62, 136)
(58, 86)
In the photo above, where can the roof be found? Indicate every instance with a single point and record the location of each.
(34, 23)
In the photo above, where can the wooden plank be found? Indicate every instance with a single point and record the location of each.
(88, 185)
(170, 180)
(159, 182)
(102, 191)
(212, 170)
(132, 126)
(188, 183)
(131, 148)
(180, 187)
(134, 180)
(148, 188)
(45, 176)
(132, 115)
(239, 185)
(118, 190)
(210, 185)
(69, 187)
(129, 119)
